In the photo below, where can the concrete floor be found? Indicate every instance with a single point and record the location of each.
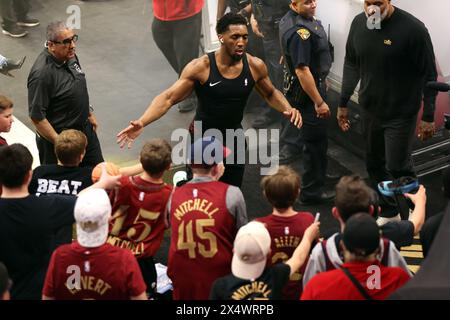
(123, 66)
(124, 69)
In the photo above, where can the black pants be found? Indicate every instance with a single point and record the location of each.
(388, 152)
(272, 55)
(179, 40)
(234, 163)
(313, 136)
(14, 10)
(92, 157)
(429, 231)
(148, 270)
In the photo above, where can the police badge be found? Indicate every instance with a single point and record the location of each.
(304, 33)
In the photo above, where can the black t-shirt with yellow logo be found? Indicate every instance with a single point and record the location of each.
(267, 287)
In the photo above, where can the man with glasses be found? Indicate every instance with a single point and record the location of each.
(58, 98)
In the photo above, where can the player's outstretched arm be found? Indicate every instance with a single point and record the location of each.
(179, 91)
(273, 96)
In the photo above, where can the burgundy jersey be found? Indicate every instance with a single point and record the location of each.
(138, 216)
(286, 234)
(201, 246)
(102, 273)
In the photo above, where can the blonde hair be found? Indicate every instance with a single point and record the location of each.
(5, 103)
(69, 146)
(282, 188)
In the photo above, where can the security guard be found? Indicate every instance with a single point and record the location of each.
(266, 16)
(58, 98)
(308, 60)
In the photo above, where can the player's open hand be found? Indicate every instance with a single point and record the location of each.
(130, 133)
(294, 116)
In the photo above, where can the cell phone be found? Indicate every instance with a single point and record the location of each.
(316, 219)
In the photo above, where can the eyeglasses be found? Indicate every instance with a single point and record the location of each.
(67, 41)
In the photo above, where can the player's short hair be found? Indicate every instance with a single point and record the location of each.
(282, 188)
(15, 162)
(5, 103)
(156, 156)
(353, 195)
(228, 19)
(69, 146)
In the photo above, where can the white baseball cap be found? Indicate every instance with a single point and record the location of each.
(92, 212)
(251, 247)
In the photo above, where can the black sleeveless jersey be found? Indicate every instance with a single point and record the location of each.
(221, 101)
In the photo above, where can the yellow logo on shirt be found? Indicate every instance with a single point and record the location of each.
(388, 42)
(304, 33)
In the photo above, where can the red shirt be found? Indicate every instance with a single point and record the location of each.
(170, 10)
(138, 216)
(201, 244)
(105, 273)
(335, 285)
(286, 234)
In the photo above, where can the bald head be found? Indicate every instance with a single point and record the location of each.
(305, 8)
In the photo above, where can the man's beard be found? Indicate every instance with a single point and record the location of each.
(236, 57)
(376, 9)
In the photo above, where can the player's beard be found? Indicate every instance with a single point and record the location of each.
(236, 57)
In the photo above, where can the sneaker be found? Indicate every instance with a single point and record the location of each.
(325, 196)
(333, 175)
(28, 22)
(11, 65)
(383, 220)
(14, 31)
(398, 186)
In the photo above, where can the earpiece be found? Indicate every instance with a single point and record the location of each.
(221, 40)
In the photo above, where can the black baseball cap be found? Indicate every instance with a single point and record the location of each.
(361, 234)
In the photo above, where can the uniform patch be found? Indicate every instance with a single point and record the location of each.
(304, 33)
(388, 42)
